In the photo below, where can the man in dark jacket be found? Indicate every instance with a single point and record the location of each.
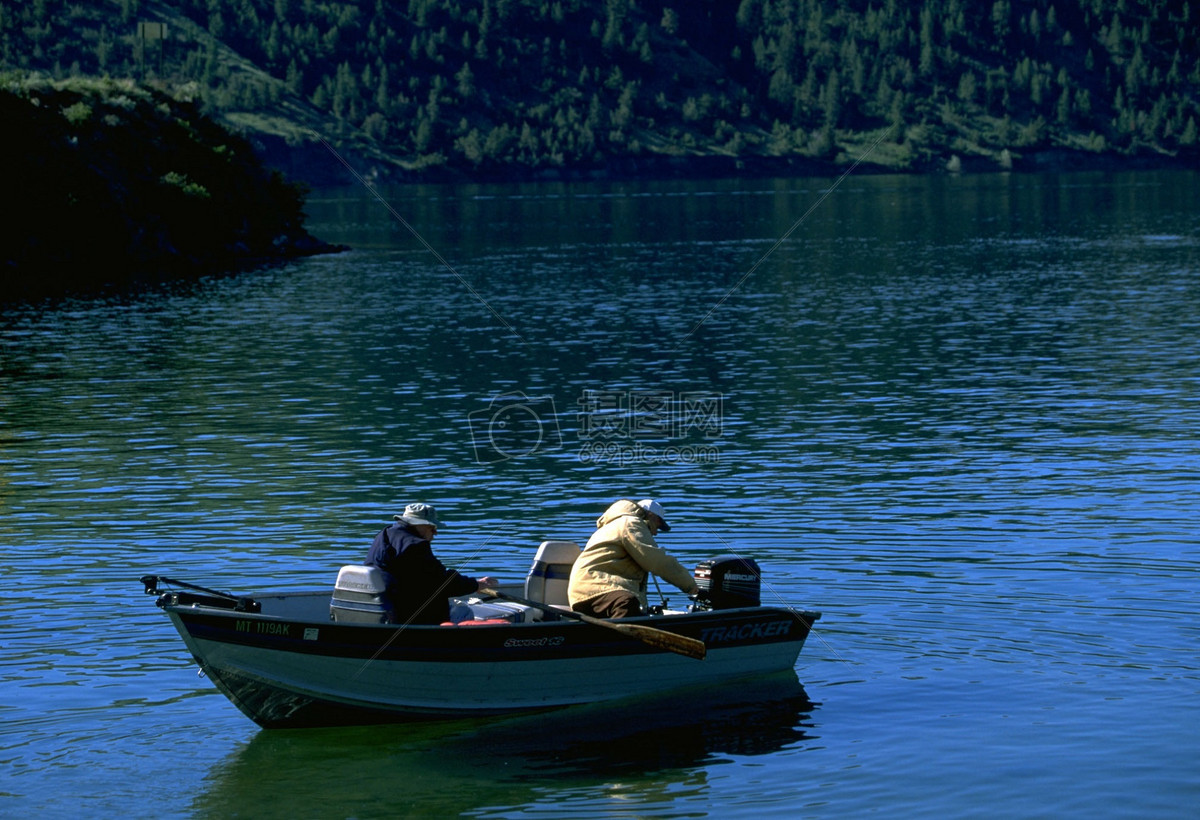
(418, 583)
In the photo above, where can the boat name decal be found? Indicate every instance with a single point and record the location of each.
(554, 640)
(263, 627)
(724, 634)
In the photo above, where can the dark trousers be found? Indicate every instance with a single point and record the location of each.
(610, 605)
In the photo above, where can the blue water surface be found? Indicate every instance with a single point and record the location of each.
(957, 415)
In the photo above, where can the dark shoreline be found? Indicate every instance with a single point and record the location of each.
(317, 167)
(126, 186)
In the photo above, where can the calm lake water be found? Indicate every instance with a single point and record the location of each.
(959, 416)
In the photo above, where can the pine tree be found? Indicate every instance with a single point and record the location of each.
(466, 82)
(1189, 136)
(1063, 109)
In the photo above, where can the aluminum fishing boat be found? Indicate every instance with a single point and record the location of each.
(333, 657)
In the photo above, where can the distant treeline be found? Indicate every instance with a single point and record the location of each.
(486, 84)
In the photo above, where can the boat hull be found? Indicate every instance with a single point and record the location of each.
(294, 669)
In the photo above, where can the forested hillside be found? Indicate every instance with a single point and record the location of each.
(520, 87)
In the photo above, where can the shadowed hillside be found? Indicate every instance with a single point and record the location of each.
(526, 88)
(111, 183)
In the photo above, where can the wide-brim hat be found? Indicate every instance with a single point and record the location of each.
(419, 514)
(650, 505)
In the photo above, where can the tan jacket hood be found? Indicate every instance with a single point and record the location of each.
(618, 509)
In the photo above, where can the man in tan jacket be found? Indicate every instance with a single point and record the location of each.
(608, 579)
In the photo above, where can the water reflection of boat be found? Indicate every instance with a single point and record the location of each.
(447, 768)
(312, 658)
(748, 717)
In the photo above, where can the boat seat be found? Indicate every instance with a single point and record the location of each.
(360, 596)
(550, 574)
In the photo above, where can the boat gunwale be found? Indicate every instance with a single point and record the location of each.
(479, 642)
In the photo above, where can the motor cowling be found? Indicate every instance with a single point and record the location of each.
(728, 582)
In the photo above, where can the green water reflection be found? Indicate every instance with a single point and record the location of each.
(480, 769)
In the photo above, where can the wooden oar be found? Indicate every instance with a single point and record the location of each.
(660, 638)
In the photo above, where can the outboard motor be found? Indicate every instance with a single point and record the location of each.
(727, 582)
(360, 596)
